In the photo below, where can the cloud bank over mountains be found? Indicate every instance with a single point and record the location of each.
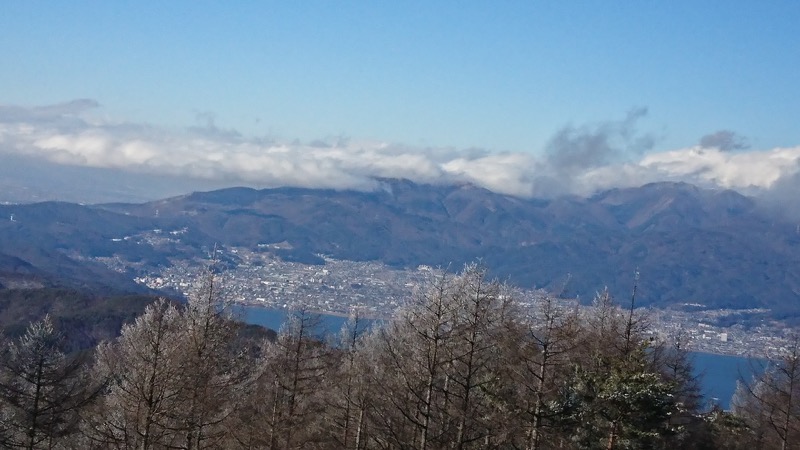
(578, 159)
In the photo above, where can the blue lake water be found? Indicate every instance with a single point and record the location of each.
(274, 318)
(719, 373)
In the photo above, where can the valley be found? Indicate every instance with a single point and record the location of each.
(714, 266)
(262, 280)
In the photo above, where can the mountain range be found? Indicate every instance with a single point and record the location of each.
(715, 248)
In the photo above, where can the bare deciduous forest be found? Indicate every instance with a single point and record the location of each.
(461, 366)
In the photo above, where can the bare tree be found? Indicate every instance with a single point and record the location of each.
(41, 390)
(410, 364)
(173, 376)
(439, 363)
(483, 310)
(771, 402)
(546, 340)
(142, 371)
(212, 372)
(284, 405)
(348, 394)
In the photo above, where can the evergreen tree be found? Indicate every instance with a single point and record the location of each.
(614, 397)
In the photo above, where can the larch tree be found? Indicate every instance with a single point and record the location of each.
(411, 357)
(284, 403)
(173, 376)
(42, 391)
(770, 404)
(484, 311)
(142, 371)
(439, 363)
(213, 373)
(546, 339)
(348, 391)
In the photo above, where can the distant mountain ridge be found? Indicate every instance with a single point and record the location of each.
(691, 245)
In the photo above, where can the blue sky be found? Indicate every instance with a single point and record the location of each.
(497, 75)
(501, 76)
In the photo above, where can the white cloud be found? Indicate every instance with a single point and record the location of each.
(507, 173)
(60, 135)
(753, 169)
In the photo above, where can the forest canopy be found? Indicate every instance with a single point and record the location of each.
(463, 364)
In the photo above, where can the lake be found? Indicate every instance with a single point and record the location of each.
(274, 318)
(719, 373)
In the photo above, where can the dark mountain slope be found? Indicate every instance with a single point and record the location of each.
(84, 319)
(52, 240)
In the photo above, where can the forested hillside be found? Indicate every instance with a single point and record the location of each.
(715, 248)
(461, 365)
(83, 318)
